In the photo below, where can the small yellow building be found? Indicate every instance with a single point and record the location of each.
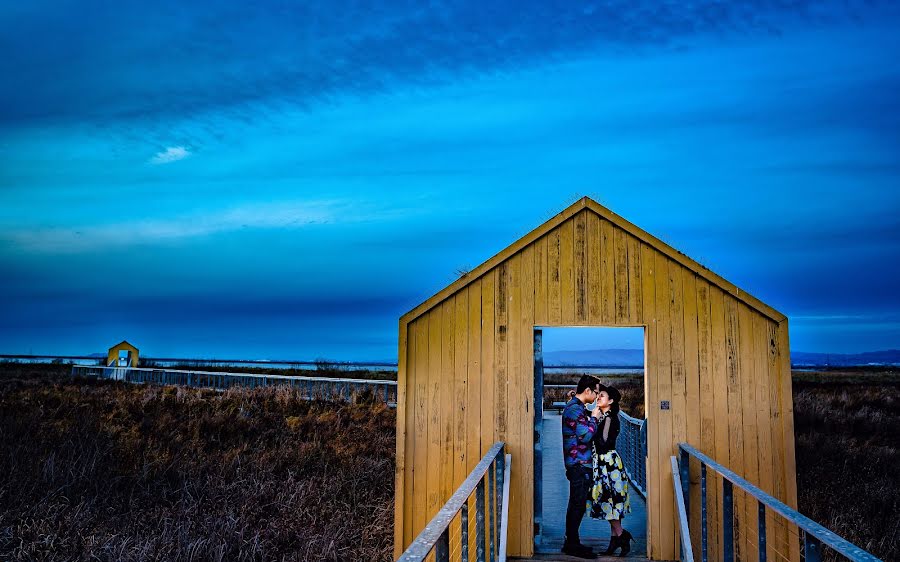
(123, 354)
(717, 372)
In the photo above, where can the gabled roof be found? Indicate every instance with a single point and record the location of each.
(603, 212)
(123, 343)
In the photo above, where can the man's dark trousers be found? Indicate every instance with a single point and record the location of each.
(579, 477)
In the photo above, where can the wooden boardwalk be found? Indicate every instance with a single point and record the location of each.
(594, 533)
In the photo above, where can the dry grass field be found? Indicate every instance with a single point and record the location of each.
(97, 470)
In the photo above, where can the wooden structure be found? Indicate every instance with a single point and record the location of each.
(132, 355)
(715, 355)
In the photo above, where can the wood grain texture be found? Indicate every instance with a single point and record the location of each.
(517, 423)
(403, 428)
(651, 393)
(663, 503)
(594, 269)
(692, 393)
(567, 272)
(580, 268)
(525, 382)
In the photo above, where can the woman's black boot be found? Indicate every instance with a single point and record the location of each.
(613, 545)
(625, 542)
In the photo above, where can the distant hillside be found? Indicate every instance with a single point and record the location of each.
(596, 357)
(635, 358)
(885, 357)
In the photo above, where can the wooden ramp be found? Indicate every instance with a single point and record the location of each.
(594, 533)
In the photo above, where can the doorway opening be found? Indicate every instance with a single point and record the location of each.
(615, 355)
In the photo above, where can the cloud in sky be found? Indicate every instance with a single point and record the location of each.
(170, 154)
(89, 238)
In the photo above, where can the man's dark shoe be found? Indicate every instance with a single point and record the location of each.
(579, 550)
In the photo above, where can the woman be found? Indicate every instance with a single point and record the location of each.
(610, 491)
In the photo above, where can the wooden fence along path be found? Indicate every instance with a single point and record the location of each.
(313, 388)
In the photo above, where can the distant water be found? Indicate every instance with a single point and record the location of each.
(209, 363)
(555, 369)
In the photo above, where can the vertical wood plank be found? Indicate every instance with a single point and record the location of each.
(707, 410)
(488, 331)
(720, 392)
(608, 273)
(541, 315)
(514, 392)
(447, 384)
(735, 411)
(787, 416)
(410, 417)
(580, 268)
(438, 411)
(567, 272)
(595, 271)
(635, 298)
(501, 349)
(525, 382)
(554, 301)
(620, 246)
(779, 532)
(692, 394)
(748, 407)
(460, 361)
(651, 395)
(473, 374)
(401, 443)
(664, 501)
(676, 340)
(764, 420)
(420, 470)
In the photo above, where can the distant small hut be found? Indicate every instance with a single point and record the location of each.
(123, 354)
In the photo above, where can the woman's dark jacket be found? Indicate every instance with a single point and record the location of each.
(607, 432)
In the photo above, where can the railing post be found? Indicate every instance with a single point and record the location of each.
(479, 521)
(442, 548)
(762, 531)
(493, 512)
(500, 470)
(464, 529)
(812, 548)
(727, 521)
(685, 468)
(703, 525)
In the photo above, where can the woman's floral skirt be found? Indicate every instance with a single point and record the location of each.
(610, 490)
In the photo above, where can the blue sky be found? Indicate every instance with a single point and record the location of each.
(220, 179)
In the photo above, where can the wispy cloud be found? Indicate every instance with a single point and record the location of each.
(283, 214)
(170, 154)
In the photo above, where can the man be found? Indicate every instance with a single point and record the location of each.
(578, 427)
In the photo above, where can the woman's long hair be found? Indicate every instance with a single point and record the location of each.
(616, 397)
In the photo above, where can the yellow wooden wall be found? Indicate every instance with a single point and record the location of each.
(719, 356)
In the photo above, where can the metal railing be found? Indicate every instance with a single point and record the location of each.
(489, 481)
(684, 532)
(632, 447)
(814, 536)
(313, 388)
